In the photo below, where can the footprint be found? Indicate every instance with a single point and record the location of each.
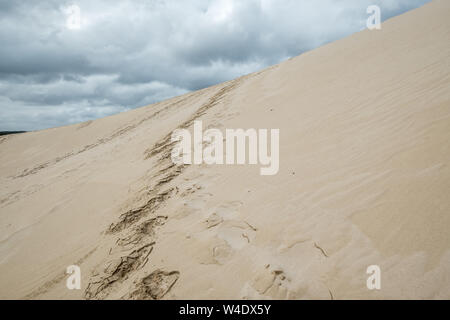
(155, 286)
(131, 217)
(145, 230)
(222, 253)
(117, 271)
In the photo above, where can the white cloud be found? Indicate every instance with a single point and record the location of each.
(131, 53)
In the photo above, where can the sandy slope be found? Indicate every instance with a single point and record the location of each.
(364, 179)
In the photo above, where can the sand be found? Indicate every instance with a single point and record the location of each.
(364, 180)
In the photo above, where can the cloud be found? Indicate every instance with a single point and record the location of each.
(132, 53)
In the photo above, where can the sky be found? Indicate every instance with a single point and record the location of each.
(60, 66)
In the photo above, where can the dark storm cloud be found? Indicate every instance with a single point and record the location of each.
(132, 53)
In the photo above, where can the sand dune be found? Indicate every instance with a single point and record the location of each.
(364, 180)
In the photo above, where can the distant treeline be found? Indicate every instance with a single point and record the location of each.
(5, 133)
